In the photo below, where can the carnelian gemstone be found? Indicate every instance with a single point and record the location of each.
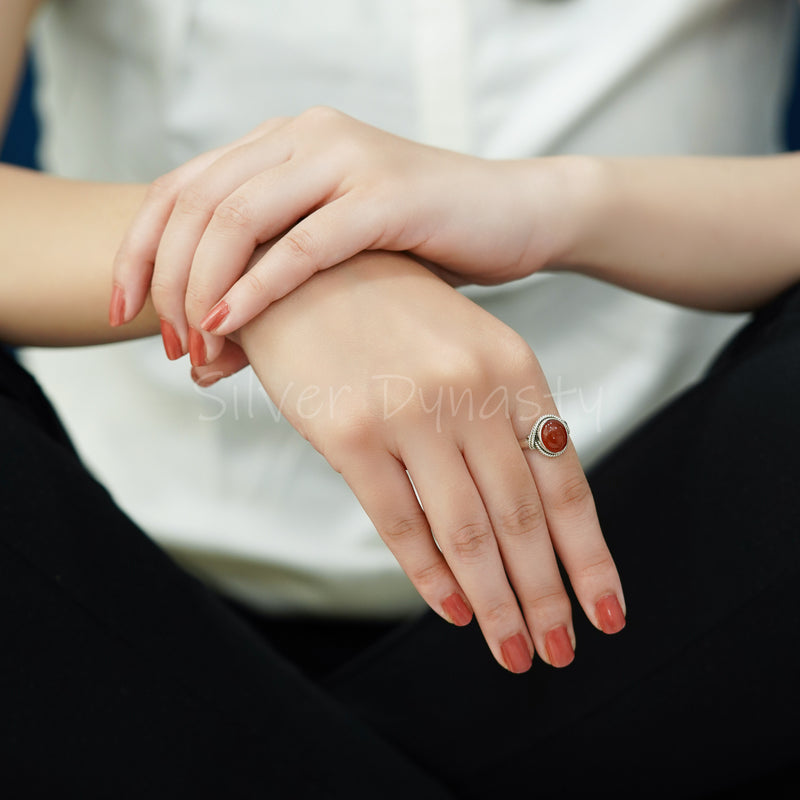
(553, 435)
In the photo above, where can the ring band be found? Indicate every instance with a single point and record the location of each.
(549, 436)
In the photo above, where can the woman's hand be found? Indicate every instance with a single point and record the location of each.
(326, 187)
(396, 378)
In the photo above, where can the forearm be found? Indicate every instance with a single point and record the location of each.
(711, 233)
(57, 243)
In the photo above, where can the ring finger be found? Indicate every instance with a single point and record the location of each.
(577, 537)
(520, 525)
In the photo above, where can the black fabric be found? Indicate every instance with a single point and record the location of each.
(120, 675)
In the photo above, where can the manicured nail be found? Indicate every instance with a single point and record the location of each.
(610, 616)
(215, 317)
(515, 653)
(116, 309)
(197, 348)
(559, 647)
(205, 380)
(172, 342)
(457, 610)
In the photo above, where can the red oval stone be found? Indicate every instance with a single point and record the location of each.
(553, 435)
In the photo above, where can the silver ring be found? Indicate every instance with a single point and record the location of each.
(557, 435)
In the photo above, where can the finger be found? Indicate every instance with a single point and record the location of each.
(133, 263)
(382, 487)
(330, 235)
(464, 533)
(193, 207)
(203, 347)
(577, 536)
(518, 519)
(230, 360)
(258, 210)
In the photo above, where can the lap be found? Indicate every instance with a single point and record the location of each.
(115, 658)
(123, 676)
(698, 694)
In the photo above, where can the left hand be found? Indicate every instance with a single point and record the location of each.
(326, 187)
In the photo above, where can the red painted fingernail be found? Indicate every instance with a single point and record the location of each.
(215, 317)
(559, 647)
(457, 610)
(116, 309)
(516, 655)
(197, 348)
(610, 616)
(172, 342)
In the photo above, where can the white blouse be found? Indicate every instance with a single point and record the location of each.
(130, 89)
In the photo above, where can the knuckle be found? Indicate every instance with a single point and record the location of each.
(548, 601)
(470, 541)
(235, 213)
(164, 186)
(574, 495)
(252, 283)
(523, 518)
(522, 354)
(599, 566)
(270, 124)
(428, 575)
(162, 291)
(198, 300)
(299, 244)
(401, 529)
(519, 359)
(517, 352)
(500, 612)
(193, 199)
(320, 115)
(353, 433)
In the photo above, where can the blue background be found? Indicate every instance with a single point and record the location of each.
(20, 143)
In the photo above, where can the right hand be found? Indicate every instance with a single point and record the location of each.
(396, 378)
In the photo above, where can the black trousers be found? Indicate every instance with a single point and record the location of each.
(122, 676)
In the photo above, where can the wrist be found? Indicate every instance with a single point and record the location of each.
(565, 200)
(586, 190)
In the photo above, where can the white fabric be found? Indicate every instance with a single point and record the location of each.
(131, 89)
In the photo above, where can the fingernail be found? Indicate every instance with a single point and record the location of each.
(610, 616)
(197, 348)
(457, 610)
(559, 647)
(215, 317)
(515, 653)
(172, 342)
(116, 309)
(205, 380)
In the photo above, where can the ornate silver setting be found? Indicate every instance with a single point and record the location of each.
(535, 439)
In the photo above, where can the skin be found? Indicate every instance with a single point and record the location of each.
(494, 516)
(499, 515)
(57, 243)
(703, 232)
